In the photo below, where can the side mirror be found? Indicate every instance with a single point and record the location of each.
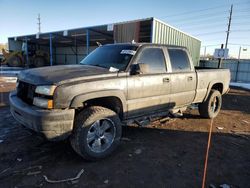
(139, 68)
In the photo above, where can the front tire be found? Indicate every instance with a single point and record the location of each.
(211, 107)
(97, 133)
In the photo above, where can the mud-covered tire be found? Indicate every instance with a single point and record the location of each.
(211, 107)
(85, 128)
(14, 61)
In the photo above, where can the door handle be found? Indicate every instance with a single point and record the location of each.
(190, 78)
(166, 79)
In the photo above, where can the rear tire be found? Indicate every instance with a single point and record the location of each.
(211, 107)
(97, 133)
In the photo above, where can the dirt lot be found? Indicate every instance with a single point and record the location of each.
(162, 155)
(7, 84)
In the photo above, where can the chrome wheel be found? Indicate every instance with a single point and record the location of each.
(214, 104)
(101, 135)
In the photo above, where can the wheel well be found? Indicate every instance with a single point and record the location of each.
(218, 86)
(112, 103)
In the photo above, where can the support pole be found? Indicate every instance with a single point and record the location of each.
(76, 55)
(87, 41)
(220, 59)
(152, 31)
(238, 64)
(237, 70)
(55, 52)
(50, 49)
(76, 51)
(26, 51)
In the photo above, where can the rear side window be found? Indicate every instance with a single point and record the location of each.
(154, 58)
(179, 60)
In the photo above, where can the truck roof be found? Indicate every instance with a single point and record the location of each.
(143, 44)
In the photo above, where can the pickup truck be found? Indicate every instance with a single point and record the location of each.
(114, 85)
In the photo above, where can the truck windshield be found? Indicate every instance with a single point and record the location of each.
(113, 57)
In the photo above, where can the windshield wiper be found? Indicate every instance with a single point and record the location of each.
(94, 65)
(97, 65)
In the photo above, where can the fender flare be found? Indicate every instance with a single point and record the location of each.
(78, 100)
(210, 85)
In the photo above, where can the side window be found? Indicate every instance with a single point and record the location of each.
(154, 58)
(179, 60)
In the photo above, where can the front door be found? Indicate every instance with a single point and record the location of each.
(149, 92)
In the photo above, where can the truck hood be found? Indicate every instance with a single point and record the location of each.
(61, 74)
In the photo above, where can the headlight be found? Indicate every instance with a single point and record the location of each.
(43, 103)
(45, 90)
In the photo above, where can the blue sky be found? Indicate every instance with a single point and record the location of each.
(207, 20)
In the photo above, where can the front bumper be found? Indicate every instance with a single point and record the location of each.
(54, 124)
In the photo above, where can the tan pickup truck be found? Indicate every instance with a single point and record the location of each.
(114, 85)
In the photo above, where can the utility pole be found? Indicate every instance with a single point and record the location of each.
(39, 23)
(228, 31)
(229, 25)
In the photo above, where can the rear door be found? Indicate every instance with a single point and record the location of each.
(149, 92)
(183, 77)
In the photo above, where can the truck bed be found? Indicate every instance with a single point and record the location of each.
(206, 77)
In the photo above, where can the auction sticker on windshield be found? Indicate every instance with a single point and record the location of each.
(130, 52)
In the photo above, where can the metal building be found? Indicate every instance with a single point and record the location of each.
(70, 46)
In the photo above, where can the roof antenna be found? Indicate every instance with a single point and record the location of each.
(98, 43)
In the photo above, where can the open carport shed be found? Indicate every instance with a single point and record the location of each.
(70, 46)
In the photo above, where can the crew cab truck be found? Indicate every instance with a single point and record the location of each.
(115, 84)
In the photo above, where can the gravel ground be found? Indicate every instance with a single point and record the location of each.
(169, 154)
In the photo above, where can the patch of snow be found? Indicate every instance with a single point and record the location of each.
(240, 84)
(11, 68)
(9, 72)
(9, 79)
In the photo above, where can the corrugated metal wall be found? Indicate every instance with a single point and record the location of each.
(139, 31)
(164, 34)
(66, 55)
(126, 32)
